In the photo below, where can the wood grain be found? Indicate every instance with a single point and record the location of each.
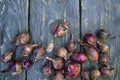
(103, 15)
(13, 20)
(44, 14)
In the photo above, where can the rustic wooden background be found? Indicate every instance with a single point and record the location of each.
(39, 16)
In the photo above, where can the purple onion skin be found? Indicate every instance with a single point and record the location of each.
(85, 75)
(58, 63)
(90, 39)
(60, 30)
(106, 71)
(39, 53)
(104, 59)
(21, 39)
(27, 64)
(79, 57)
(47, 70)
(73, 70)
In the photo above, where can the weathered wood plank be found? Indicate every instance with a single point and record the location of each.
(13, 20)
(44, 14)
(103, 14)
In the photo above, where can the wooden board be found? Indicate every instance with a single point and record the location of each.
(103, 15)
(44, 14)
(13, 20)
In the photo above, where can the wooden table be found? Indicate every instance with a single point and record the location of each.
(38, 17)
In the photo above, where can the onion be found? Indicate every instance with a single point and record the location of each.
(72, 46)
(61, 52)
(79, 57)
(59, 76)
(85, 75)
(73, 70)
(21, 39)
(106, 71)
(90, 39)
(95, 74)
(104, 59)
(57, 63)
(27, 49)
(60, 29)
(104, 48)
(92, 54)
(27, 64)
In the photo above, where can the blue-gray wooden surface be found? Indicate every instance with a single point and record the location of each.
(38, 18)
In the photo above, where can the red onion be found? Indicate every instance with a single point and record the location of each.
(60, 29)
(57, 63)
(72, 46)
(39, 53)
(92, 54)
(104, 48)
(27, 49)
(21, 39)
(14, 67)
(90, 39)
(79, 57)
(85, 75)
(47, 69)
(95, 74)
(61, 52)
(104, 59)
(27, 64)
(59, 76)
(8, 55)
(106, 71)
(73, 70)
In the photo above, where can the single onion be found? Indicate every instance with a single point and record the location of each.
(61, 52)
(95, 74)
(106, 71)
(72, 46)
(104, 48)
(104, 59)
(14, 67)
(90, 39)
(57, 63)
(39, 53)
(21, 39)
(47, 69)
(91, 53)
(27, 49)
(73, 70)
(79, 57)
(60, 29)
(59, 76)
(85, 75)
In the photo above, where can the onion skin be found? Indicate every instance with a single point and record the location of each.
(27, 64)
(95, 74)
(61, 52)
(60, 30)
(85, 75)
(90, 39)
(50, 46)
(104, 48)
(79, 57)
(57, 63)
(21, 39)
(73, 70)
(106, 71)
(59, 76)
(39, 53)
(104, 59)
(91, 53)
(27, 49)
(47, 70)
(72, 46)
